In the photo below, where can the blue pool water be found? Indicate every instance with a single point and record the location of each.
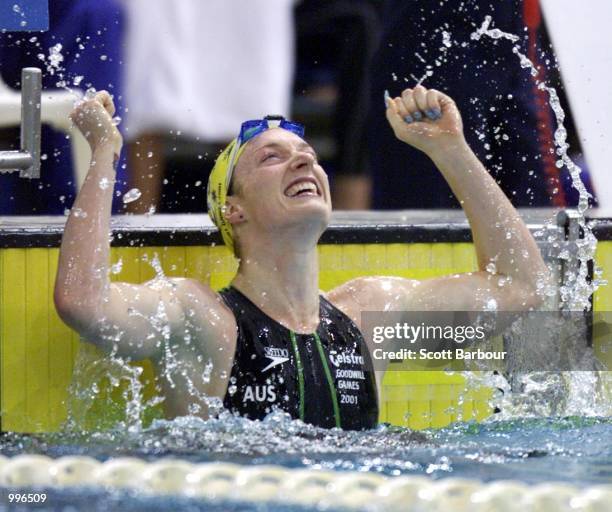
(575, 450)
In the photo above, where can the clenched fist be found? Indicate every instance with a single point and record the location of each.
(426, 119)
(93, 117)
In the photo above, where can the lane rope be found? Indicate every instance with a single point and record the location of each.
(309, 487)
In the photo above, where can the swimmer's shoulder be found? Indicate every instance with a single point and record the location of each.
(373, 293)
(205, 308)
(350, 297)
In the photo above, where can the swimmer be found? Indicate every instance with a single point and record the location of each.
(272, 340)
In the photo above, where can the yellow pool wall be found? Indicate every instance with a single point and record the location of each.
(38, 351)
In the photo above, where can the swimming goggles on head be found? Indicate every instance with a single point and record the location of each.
(250, 129)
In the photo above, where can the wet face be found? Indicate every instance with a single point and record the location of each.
(278, 182)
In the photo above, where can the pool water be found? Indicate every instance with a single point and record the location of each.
(575, 450)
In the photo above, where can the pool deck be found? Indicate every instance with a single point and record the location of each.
(405, 226)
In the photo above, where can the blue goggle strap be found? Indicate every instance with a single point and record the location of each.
(254, 127)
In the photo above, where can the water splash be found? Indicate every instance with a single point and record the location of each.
(576, 293)
(18, 10)
(559, 393)
(104, 183)
(532, 450)
(90, 93)
(131, 195)
(53, 62)
(95, 385)
(99, 381)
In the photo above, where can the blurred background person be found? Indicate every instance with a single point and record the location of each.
(195, 71)
(511, 124)
(335, 44)
(190, 72)
(82, 49)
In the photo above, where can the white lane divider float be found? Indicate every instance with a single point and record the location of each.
(310, 487)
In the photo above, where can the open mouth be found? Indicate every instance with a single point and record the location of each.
(303, 187)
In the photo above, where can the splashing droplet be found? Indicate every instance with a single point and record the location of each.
(116, 267)
(77, 212)
(90, 94)
(131, 196)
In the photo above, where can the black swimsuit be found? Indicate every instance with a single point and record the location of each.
(325, 378)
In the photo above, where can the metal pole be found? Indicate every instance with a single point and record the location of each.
(31, 88)
(13, 160)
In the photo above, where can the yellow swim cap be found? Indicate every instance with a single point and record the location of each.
(218, 185)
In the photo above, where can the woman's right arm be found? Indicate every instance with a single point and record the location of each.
(130, 319)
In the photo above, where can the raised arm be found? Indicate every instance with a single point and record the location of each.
(510, 264)
(131, 319)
